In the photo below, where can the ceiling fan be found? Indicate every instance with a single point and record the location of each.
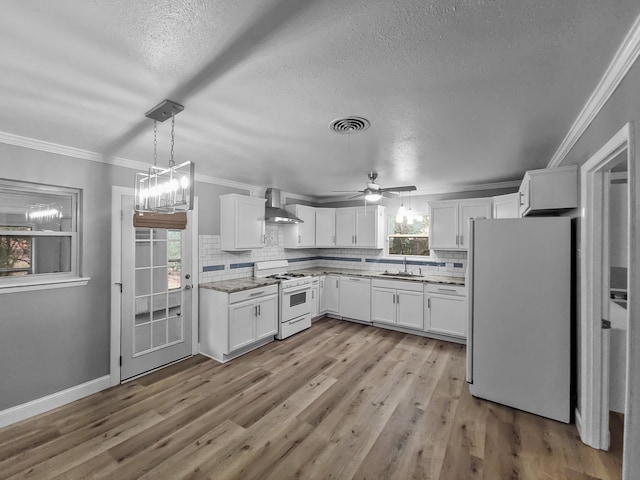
(374, 192)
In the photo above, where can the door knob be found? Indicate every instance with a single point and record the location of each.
(188, 287)
(187, 276)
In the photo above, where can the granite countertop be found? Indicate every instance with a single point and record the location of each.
(238, 284)
(449, 280)
(247, 283)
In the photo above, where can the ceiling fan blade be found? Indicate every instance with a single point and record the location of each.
(347, 191)
(390, 194)
(356, 196)
(406, 188)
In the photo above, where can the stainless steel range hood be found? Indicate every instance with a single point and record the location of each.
(274, 213)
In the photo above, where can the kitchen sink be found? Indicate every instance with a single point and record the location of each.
(400, 274)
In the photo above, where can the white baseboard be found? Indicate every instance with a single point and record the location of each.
(44, 404)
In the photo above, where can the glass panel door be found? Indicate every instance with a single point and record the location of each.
(156, 313)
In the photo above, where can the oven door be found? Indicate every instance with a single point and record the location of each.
(296, 301)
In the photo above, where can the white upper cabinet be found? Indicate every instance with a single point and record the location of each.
(443, 225)
(301, 235)
(449, 221)
(549, 189)
(241, 222)
(506, 206)
(325, 227)
(475, 208)
(345, 227)
(360, 227)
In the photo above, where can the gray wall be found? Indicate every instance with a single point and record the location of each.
(622, 107)
(51, 340)
(209, 206)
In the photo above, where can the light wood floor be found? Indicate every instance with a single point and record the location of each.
(338, 401)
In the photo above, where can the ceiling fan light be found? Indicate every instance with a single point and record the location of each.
(372, 196)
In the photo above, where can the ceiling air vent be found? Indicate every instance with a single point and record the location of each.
(349, 125)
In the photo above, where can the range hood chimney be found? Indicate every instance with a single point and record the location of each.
(274, 213)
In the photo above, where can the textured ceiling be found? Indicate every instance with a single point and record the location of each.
(458, 93)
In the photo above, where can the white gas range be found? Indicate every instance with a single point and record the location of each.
(295, 296)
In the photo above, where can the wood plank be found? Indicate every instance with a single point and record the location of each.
(86, 450)
(340, 400)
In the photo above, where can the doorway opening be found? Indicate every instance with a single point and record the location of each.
(154, 307)
(605, 279)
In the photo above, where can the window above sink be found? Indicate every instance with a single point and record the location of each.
(408, 238)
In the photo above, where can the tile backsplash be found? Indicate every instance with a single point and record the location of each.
(216, 264)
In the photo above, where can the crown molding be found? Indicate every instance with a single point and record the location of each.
(622, 62)
(49, 147)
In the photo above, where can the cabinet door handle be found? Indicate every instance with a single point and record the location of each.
(393, 299)
(255, 294)
(398, 299)
(333, 239)
(259, 309)
(337, 283)
(299, 238)
(461, 240)
(521, 198)
(428, 302)
(355, 239)
(313, 294)
(255, 311)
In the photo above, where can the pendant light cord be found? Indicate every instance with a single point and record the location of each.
(155, 143)
(172, 163)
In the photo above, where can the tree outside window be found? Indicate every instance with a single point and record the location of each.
(410, 236)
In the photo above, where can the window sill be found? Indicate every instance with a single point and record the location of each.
(31, 284)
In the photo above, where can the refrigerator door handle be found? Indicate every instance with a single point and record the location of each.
(469, 284)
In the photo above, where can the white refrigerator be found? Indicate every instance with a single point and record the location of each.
(519, 332)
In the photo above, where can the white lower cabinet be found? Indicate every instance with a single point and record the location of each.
(330, 294)
(355, 298)
(446, 310)
(397, 303)
(315, 298)
(410, 309)
(234, 323)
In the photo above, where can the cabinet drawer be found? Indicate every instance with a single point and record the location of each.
(296, 325)
(458, 290)
(398, 284)
(252, 293)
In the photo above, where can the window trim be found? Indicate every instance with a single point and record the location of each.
(46, 281)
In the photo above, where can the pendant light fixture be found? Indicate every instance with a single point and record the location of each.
(407, 215)
(165, 190)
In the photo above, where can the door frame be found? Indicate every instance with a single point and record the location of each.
(116, 278)
(592, 417)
